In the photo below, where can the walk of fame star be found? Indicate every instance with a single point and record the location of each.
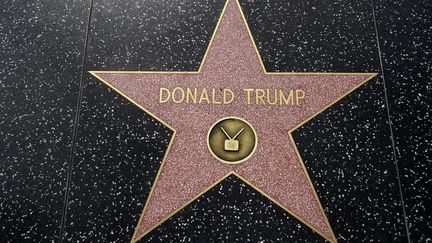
(275, 169)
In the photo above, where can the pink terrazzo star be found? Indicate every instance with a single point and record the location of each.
(276, 169)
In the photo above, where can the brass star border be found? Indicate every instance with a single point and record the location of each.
(330, 239)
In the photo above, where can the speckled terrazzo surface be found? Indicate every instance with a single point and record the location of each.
(348, 150)
(232, 211)
(41, 51)
(406, 37)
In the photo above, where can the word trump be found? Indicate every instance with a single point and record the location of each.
(226, 96)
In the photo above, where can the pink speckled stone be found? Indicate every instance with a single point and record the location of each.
(275, 168)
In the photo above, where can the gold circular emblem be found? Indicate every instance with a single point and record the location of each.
(232, 140)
